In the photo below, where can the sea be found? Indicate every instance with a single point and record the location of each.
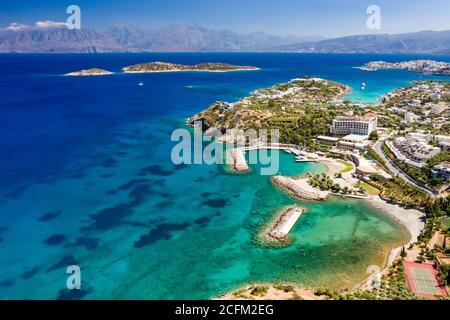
(86, 180)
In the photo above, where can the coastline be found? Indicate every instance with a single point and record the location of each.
(299, 188)
(274, 292)
(412, 220)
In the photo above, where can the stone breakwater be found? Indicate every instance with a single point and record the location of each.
(277, 230)
(300, 188)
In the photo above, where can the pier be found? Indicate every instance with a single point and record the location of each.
(277, 230)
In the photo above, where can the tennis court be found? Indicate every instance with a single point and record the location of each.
(423, 280)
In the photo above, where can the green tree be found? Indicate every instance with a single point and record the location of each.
(403, 253)
(374, 136)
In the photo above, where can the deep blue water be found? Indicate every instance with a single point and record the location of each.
(47, 119)
(70, 145)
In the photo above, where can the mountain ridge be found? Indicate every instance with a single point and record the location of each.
(189, 37)
(426, 42)
(186, 37)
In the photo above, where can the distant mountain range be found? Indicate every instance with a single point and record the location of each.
(174, 38)
(194, 38)
(434, 42)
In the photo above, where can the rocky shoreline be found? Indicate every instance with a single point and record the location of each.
(299, 188)
(271, 291)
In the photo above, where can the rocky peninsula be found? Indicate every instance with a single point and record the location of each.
(173, 67)
(299, 109)
(429, 67)
(89, 72)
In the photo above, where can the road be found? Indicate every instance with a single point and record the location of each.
(395, 170)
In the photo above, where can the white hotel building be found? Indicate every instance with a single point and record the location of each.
(363, 125)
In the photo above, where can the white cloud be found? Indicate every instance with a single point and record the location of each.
(50, 24)
(16, 26)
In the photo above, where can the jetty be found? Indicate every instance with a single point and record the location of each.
(235, 157)
(277, 230)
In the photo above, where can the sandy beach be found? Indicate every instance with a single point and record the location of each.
(333, 166)
(413, 220)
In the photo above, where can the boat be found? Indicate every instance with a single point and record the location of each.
(287, 151)
(141, 84)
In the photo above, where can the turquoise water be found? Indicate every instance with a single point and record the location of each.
(86, 179)
(198, 225)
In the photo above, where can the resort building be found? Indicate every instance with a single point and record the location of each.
(413, 150)
(416, 103)
(442, 171)
(327, 140)
(353, 141)
(362, 125)
(410, 117)
(398, 110)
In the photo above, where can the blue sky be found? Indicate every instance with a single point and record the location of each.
(281, 17)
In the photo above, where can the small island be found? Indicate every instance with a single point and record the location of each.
(173, 67)
(429, 67)
(89, 72)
